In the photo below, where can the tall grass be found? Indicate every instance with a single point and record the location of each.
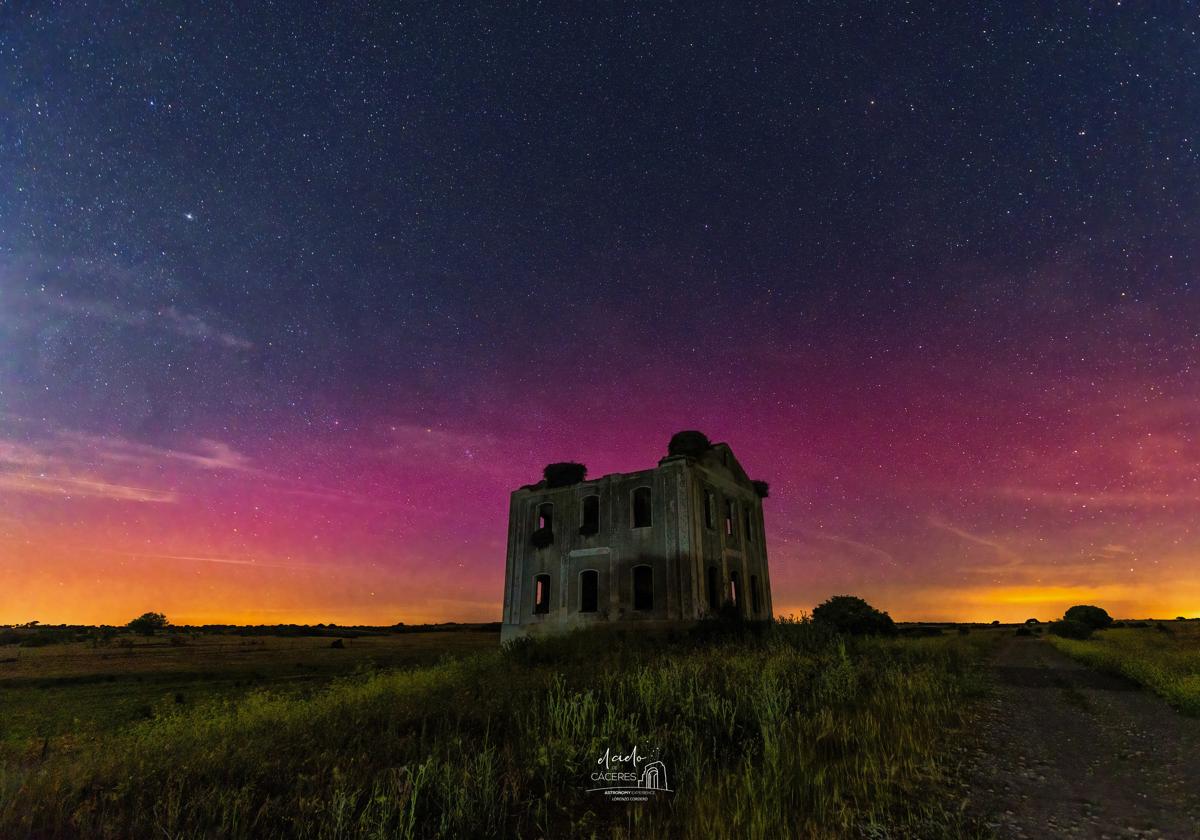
(787, 733)
(1166, 660)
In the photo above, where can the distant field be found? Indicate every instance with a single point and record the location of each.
(1164, 657)
(78, 690)
(788, 732)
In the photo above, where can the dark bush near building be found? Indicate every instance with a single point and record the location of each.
(1070, 629)
(1095, 617)
(690, 443)
(564, 474)
(848, 614)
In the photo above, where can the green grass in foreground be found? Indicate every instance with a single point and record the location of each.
(1165, 661)
(79, 691)
(791, 733)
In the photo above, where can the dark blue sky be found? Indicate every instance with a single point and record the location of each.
(896, 242)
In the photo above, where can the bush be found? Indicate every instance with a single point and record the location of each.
(146, 623)
(1071, 629)
(564, 474)
(43, 636)
(690, 443)
(848, 614)
(1094, 617)
(1032, 621)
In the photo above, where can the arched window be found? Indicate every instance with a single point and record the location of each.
(590, 516)
(541, 594)
(641, 507)
(589, 584)
(755, 595)
(730, 517)
(543, 525)
(714, 588)
(643, 588)
(710, 509)
(735, 589)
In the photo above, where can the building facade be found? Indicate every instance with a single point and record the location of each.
(659, 547)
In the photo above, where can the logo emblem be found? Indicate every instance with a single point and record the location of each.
(629, 777)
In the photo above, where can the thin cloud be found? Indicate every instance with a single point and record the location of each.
(68, 465)
(54, 465)
(1000, 549)
(865, 548)
(1133, 498)
(313, 491)
(67, 486)
(210, 454)
(207, 558)
(168, 319)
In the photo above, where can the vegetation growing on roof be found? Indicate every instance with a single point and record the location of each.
(690, 443)
(564, 474)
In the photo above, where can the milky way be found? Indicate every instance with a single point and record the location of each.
(291, 300)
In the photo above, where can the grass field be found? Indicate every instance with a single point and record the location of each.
(790, 733)
(78, 690)
(1166, 660)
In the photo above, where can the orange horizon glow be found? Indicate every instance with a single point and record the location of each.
(379, 522)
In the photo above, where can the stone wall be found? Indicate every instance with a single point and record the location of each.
(677, 547)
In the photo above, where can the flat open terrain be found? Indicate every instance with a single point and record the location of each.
(782, 731)
(791, 732)
(1070, 751)
(1164, 657)
(79, 690)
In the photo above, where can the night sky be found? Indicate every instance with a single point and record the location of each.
(291, 299)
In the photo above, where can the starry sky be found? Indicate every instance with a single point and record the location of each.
(292, 296)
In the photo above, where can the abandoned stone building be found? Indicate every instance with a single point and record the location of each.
(660, 547)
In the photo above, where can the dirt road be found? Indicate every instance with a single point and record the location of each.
(1070, 752)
